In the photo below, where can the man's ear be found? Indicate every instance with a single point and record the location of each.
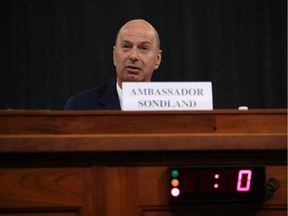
(158, 59)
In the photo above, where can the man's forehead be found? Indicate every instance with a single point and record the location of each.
(127, 41)
(137, 30)
(137, 33)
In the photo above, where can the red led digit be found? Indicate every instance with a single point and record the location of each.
(226, 180)
(206, 181)
(189, 180)
(244, 180)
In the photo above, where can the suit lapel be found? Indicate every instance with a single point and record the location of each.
(109, 99)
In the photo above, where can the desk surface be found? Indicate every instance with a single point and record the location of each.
(96, 131)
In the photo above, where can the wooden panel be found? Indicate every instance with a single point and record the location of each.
(40, 188)
(136, 142)
(111, 122)
(121, 195)
(102, 122)
(53, 131)
(250, 123)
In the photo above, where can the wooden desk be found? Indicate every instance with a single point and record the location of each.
(110, 163)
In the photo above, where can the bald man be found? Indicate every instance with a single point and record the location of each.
(136, 55)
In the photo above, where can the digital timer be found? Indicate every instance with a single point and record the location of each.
(217, 183)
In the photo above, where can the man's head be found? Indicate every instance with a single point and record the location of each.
(136, 53)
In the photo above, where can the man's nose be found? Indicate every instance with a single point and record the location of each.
(134, 54)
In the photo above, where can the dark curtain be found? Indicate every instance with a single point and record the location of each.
(53, 49)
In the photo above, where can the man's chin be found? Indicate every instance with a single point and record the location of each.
(133, 78)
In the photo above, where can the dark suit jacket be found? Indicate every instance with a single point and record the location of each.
(103, 97)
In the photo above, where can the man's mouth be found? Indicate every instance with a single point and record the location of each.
(133, 69)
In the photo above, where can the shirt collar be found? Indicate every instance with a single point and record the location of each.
(120, 94)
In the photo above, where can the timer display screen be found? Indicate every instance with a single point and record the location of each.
(217, 183)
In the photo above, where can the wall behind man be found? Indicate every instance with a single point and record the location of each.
(53, 49)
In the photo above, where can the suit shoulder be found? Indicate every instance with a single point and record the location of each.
(90, 98)
(95, 92)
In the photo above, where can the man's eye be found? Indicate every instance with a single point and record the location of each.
(144, 48)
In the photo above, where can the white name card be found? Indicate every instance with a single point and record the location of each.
(145, 96)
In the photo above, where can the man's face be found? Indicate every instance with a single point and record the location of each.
(136, 54)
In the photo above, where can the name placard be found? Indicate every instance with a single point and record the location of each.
(145, 96)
